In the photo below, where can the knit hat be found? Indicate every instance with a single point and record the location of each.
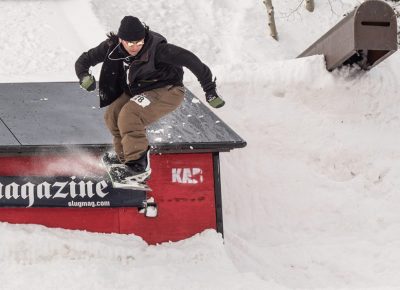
(131, 29)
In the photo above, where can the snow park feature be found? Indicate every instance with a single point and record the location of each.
(365, 37)
(51, 174)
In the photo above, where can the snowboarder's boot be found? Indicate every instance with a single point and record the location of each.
(124, 176)
(140, 168)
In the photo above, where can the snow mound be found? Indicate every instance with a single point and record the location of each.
(45, 258)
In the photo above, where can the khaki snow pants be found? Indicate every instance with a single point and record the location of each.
(127, 118)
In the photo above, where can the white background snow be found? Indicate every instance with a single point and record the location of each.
(313, 201)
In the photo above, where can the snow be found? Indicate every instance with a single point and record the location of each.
(311, 203)
(80, 260)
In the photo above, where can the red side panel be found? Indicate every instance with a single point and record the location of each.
(183, 188)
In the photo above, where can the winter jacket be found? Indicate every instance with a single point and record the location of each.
(158, 64)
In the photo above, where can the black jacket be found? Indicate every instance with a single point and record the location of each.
(158, 64)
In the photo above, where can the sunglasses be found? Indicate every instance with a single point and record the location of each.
(132, 43)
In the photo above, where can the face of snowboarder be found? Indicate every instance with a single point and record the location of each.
(132, 47)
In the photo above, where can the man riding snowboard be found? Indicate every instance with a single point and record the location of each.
(140, 82)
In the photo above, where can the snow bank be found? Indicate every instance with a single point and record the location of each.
(36, 257)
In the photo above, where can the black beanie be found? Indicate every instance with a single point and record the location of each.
(131, 29)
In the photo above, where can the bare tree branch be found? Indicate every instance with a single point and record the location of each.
(271, 19)
(310, 5)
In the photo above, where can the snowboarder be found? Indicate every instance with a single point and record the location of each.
(140, 82)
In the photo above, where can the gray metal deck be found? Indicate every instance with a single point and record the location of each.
(54, 116)
(6, 137)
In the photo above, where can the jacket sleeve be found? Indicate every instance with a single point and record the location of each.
(90, 58)
(175, 55)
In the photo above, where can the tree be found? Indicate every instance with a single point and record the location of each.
(310, 5)
(271, 19)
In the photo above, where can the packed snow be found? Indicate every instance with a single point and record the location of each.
(311, 203)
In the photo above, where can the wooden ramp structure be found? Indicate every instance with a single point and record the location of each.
(365, 37)
(51, 138)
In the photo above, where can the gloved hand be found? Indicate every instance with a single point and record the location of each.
(88, 82)
(214, 100)
(211, 94)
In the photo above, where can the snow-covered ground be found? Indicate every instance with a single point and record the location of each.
(312, 202)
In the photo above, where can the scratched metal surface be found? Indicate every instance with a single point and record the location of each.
(52, 114)
(5, 135)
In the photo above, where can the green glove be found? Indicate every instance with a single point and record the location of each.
(88, 82)
(214, 100)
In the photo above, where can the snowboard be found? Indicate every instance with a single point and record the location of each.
(122, 176)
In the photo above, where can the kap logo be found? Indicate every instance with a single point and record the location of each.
(187, 175)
